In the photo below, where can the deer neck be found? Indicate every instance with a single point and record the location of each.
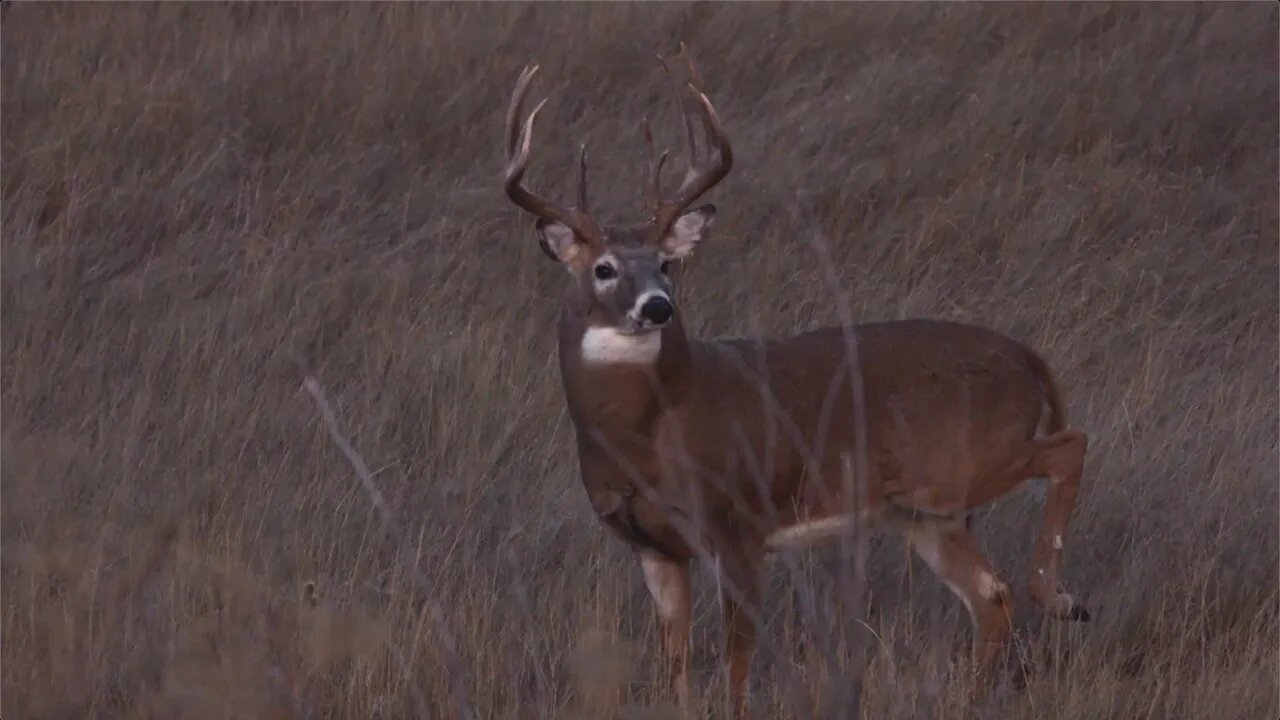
(615, 382)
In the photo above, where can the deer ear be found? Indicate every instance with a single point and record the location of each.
(557, 240)
(687, 231)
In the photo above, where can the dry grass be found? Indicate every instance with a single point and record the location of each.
(192, 192)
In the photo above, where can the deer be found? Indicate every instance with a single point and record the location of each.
(731, 450)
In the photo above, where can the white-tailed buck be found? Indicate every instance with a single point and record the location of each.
(731, 449)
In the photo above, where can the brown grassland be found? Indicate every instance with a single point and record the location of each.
(194, 192)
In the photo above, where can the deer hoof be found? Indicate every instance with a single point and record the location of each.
(1079, 613)
(1065, 607)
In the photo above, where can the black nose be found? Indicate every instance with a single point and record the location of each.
(657, 310)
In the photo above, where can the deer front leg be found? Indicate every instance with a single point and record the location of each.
(953, 555)
(668, 582)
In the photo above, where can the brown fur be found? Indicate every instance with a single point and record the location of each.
(723, 442)
(706, 449)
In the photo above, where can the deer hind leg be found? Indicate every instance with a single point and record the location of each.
(953, 555)
(1060, 457)
(668, 582)
(740, 594)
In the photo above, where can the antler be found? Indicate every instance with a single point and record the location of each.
(517, 145)
(700, 176)
(653, 190)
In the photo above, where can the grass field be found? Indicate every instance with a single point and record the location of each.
(194, 193)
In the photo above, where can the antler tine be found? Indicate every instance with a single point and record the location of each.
(516, 108)
(518, 159)
(518, 139)
(653, 191)
(696, 85)
(710, 123)
(690, 140)
(583, 205)
(517, 162)
(693, 69)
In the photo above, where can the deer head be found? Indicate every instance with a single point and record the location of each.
(620, 272)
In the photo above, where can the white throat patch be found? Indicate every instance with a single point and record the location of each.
(606, 345)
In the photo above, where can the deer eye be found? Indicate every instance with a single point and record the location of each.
(665, 267)
(605, 271)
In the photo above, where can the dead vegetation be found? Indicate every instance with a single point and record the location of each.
(194, 192)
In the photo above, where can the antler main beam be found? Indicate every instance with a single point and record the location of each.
(518, 139)
(701, 174)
